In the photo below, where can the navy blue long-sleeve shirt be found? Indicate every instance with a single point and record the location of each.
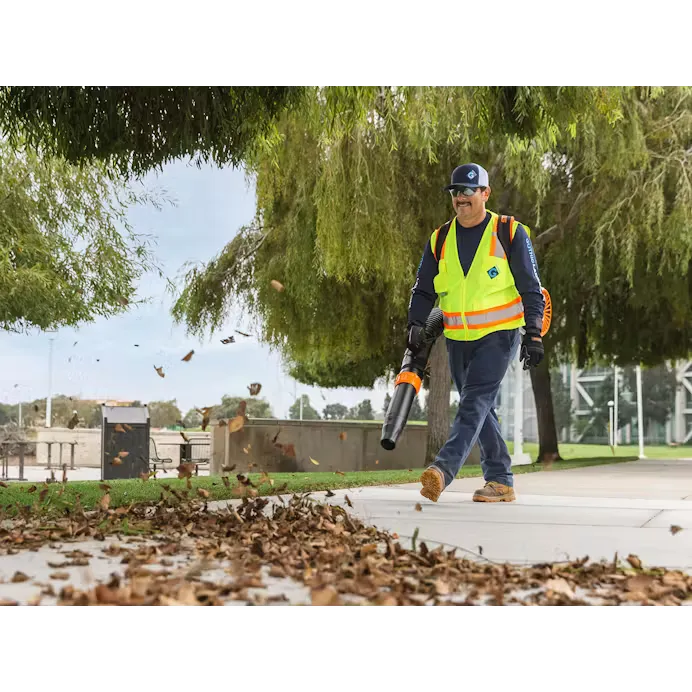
(522, 262)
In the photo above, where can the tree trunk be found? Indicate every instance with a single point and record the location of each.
(438, 400)
(547, 431)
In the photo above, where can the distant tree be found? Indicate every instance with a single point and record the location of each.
(387, 401)
(192, 419)
(416, 413)
(335, 411)
(256, 408)
(309, 413)
(362, 411)
(164, 413)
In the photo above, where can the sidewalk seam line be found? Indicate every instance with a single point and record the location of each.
(651, 518)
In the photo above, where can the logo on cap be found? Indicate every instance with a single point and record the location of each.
(471, 175)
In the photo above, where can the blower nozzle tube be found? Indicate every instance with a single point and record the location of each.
(408, 382)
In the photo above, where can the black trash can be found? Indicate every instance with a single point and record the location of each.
(124, 442)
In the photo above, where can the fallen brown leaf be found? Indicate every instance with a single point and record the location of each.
(342, 436)
(325, 597)
(254, 388)
(339, 473)
(276, 285)
(203, 493)
(8, 602)
(559, 586)
(314, 461)
(188, 356)
(122, 453)
(226, 482)
(3, 484)
(348, 500)
(105, 501)
(228, 469)
(205, 422)
(104, 486)
(330, 493)
(184, 436)
(228, 340)
(128, 427)
(19, 577)
(634, 561)
(159, 371)
(60, 575)
(144, 476)
(675, 529)
(117, 461)
(32, 489)
(419, 507)
(119, 428)
(640, 582)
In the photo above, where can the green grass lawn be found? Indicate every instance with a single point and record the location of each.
(125, 492)
(584, 451)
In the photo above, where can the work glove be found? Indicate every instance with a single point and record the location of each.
(532, 351)
(416, 337)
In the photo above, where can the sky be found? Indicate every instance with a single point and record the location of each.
(210, 205)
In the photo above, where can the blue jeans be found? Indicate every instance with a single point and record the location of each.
(478, 368)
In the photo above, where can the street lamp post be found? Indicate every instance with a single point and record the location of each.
(611, 405)
(49, 399)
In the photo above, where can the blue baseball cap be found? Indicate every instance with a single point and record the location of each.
(469, 175)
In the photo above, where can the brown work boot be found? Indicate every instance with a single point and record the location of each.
(494, 492)
(433, 483)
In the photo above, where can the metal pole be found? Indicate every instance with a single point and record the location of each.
(49, 401)
(301, 407)
(518, 408)
(19, 421)
(640, 412)
(615, 400)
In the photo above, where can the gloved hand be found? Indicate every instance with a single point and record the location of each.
(532, 350)
(416, 337)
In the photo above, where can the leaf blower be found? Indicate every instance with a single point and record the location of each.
(408, 381)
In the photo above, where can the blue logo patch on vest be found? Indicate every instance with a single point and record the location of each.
(493, 272)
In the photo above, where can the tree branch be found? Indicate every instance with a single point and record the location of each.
(555, 231)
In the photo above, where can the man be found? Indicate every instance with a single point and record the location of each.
(485, 298)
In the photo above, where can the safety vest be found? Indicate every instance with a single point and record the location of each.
(486, 300)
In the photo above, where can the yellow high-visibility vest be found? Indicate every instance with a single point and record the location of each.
(486, 300)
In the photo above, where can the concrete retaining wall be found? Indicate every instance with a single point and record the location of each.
(88, 449)
(287, 445)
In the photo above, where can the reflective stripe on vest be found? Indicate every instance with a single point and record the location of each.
(494, 316)
(480, 319)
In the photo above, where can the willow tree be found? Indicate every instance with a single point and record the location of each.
(349, 189)
(67, 252)
(614, 240)
(135, 129)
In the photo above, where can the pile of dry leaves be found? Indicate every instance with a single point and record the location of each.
(321, 547)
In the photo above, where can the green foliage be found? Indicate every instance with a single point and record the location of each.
(67, 252)
(308, 413)
(163, 414)
(417, 412)
(350, 190)
(335, 412)
(135, 129)
(256, 408)
(193, 418)
(361, 411)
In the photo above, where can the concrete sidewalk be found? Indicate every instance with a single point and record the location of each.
(595, 511)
